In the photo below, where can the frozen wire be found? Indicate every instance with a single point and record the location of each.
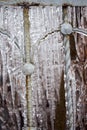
(80, 31)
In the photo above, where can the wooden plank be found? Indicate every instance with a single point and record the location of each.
(45, 2)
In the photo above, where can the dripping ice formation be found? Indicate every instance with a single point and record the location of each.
(13, 87)
(48, 59)
(11, 62)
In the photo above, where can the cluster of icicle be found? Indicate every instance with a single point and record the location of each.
(48, 57)
(45, 88)
(11, 46)
(47, 47)
(78, 20)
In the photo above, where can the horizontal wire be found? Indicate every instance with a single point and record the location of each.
(80, 31)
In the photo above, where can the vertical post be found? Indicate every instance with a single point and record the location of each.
(69, 111)
(26, 33)
(27, 54)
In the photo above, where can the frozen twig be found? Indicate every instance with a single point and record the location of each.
(37, 44)
(46, 35)
(5, 32)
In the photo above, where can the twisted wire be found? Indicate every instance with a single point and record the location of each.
(67, 88)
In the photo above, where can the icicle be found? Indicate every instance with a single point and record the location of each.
(22, 94)
(12, 89)
(74, 97)
(4, 71)
(4, 67)
(18, 118)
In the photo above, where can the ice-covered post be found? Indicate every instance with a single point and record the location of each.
(28, 68)
(66, 29)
